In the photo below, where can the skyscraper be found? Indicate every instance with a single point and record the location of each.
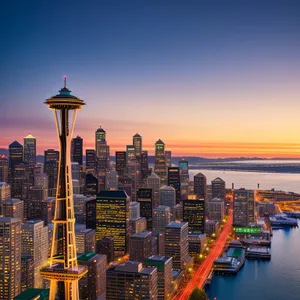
(176, 244)
(167, 196)
(164, 267)
(20, 181)
(90, 156)
(15, 158)
(216, 209)
(93, 284)
(168, 156)
(13, 208)
(200, 186)
(112, 219)
(140, 246)
(51, 158)
(160, 167)
(161, 218)
(64, 271)
(132, 168)
(126, 184)
(134, 210)
(91, 185)
(184, 170)
(102, 152)
(144, 166)
(106, 246)
(4, 193)
(77, 150)
(121, 162)
(194, 214)
(218, 188)
(85, 239)
(174, 181)
(243, 207)
(137, 143)
(144, 197)
(10, 258)
(111, 180)
(30, 155)
(153, 182)
(128, 279)
(35, 243)
(3, 168)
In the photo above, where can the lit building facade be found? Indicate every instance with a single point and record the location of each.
(200, 186)
(102, 152)
(194, 214)
(216, 209)
(77, 150)
(144, 197)
(160, 167)
(174, 181)
(51, 158)
(218, 188)
(30, 155)
(121, 162)
(140, 246)
(167, 196)
(112, 218)
(13, 208)
(161, 218)
(153, 182)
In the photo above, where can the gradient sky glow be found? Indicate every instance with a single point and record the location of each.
(209, 78)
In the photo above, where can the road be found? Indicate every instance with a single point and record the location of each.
(202, 272)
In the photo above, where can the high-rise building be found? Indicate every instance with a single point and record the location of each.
(218, 188)
(90, 164)
(216, 209)
(27, 272)
(144, 166)
(10, 258)
(85, 239)
(33, 205)
(161, 218)
(4, 193)
(106, 247)
(3, 168)
(153, 182)
(243, 207)
(91, 213)
(164, 267)
(168, 156)
(112, 219)
(111, 180)
(144, 197)
(197, 242)
(176, 244)
(130, 278)
(137, 143)
(63, 271)
(102, 152)
(160, 167)
(121, 162)
(30, 155)
(13, 208)
(77, 150)
(91, 185)
(134, 210)
(80, 208)
(132, 168)
(35, 244)
(184, 170)
(20, 181)
(140, 246)
(75, 168)
(178, 212)
(93, 284)
(174, 181)
(138, 225)
(125, 183)
(194, 214)
(51, 158)
(15, 158)
(48, 210)
(200, 186)
(167, 196)
(41, 180)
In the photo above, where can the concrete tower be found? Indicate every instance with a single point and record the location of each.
(63, 271)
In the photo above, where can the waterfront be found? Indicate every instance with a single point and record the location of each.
(277, 279)
(249, 180)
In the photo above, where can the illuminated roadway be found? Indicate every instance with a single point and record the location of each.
(203, 271)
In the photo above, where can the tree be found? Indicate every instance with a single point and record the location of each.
(198, 294)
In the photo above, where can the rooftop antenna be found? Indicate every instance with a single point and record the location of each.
(65, 81)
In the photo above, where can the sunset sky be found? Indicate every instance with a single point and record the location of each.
(209, 78)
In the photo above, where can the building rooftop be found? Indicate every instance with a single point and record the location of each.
(218, 179)
(175, 224)
(136, 135)
(100, 129)
(32, 294)
(112, 194)
(8, 220)
(15, 144)
(158, 258)
(159, 142)
(199, 175)
(216, 200)
(162, 208)
(167, 188)
(86, 256)
(142, 234)
(12, 201)
(29, 136)
(153, 175)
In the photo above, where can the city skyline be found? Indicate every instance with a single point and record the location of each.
(211, 80)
